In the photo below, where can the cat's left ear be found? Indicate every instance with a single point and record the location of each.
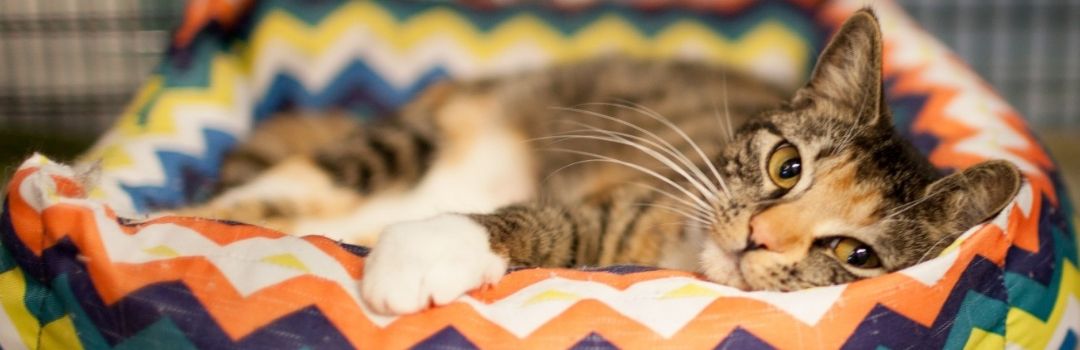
(848, 72)
(966, 198)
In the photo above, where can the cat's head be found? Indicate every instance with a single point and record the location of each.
(825, 191)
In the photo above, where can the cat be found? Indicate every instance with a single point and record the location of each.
(620, 161)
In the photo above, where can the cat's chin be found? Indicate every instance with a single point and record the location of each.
(722, 267)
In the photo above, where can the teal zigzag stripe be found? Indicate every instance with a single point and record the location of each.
(648, 23)
(162, 335)
(7, 262)
(88, 332)
(196, 68)
(977, 311)
(1030, 295)
(39, 300)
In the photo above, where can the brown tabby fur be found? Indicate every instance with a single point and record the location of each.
(860, 179)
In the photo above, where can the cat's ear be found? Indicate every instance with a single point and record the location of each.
(964, 199)
(848, 72)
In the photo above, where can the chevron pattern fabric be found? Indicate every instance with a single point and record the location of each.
(76, 272)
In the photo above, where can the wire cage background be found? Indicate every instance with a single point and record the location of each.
(68, 67)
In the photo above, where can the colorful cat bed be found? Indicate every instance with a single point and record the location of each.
(79, 269)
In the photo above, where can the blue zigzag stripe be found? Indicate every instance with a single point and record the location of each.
(447, 338)
(355, 82)
(741, 339)
(188, 178)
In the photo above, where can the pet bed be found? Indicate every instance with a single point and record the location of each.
(80, 269)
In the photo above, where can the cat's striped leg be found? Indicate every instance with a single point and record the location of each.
(434, 261)
(331, 181)
(379, 156)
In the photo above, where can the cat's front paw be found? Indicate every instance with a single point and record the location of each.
(434, 261)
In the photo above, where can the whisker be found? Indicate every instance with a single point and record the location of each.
(672, 149)
(666, 147)
(678, 211)
(656, 116)
(652, 153)
(628, 139)
(901, 220)
(765, 201)
(704, 159)
(727, 112)
(951, 237)
(849, 138)
(675, 153)
(623, 122)
(912, 204)
(904, 207)
(720, 123)
(602, 158)
(703, 211)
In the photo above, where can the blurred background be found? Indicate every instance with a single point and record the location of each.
(68, 67)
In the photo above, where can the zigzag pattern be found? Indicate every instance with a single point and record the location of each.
(79, 267)
(202, 14)
(189, 128)
(972, 271)
(382, 54)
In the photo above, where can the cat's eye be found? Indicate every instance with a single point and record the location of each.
(855, 253)
(785, 166)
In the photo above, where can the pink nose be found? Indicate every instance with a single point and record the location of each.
(761, 233)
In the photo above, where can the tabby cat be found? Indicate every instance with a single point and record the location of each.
(619, 161)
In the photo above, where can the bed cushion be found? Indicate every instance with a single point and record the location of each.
(81, 267)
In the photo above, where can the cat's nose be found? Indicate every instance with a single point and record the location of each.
(761, 235)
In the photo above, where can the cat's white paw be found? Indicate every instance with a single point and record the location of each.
(434, 261)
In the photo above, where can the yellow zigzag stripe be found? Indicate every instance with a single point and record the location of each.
(126, 125)
(129, 124)
(223, 73)
(12, 300)
(981, 339)
(1026, 330)
(604, 34)
(58, 334)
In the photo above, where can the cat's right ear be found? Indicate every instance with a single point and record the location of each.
(964, 199)
(848, 72)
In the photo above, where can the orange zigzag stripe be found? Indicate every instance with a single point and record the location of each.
(239, 316)
(200, 12)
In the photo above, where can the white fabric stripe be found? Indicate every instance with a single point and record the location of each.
(1069, 321)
